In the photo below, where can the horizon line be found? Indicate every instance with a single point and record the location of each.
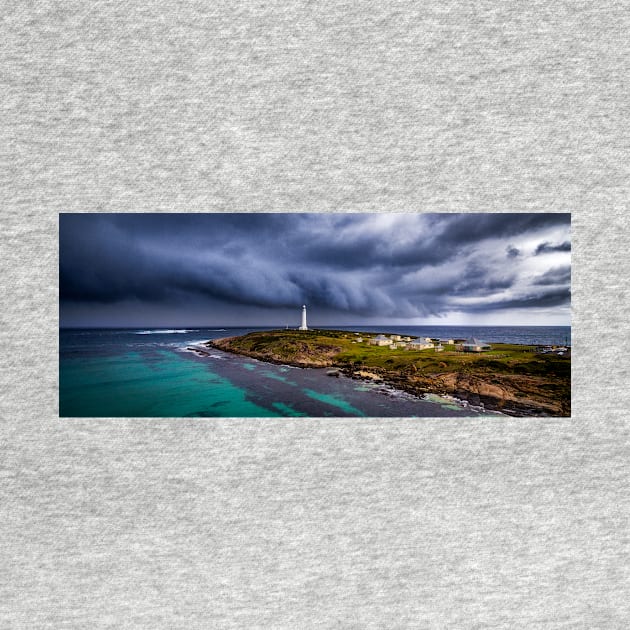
(284, 326)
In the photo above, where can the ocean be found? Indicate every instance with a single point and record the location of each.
(526, 335)
(151, 373)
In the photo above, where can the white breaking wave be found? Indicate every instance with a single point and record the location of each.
(168, 331)
(189, 346)
(196, 348)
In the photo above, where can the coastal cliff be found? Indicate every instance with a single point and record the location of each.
(509, 378)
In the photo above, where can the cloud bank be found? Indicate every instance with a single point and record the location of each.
(208, 269)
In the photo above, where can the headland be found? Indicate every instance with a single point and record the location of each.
(514, 379)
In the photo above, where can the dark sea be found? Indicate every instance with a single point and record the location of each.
(152, 373)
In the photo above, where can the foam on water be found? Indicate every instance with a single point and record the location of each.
(196, 347)
(166, 331)
(162, 372)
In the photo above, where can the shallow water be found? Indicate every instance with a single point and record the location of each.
(150, 373)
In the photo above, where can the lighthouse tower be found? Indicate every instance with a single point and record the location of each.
(304, 326)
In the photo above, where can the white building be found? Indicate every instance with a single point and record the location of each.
(380, 340)
(419, 344)
(303, 326)
(474, 345)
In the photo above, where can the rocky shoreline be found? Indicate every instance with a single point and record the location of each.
(510, 394)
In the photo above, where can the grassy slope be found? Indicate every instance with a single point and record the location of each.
(509, 377)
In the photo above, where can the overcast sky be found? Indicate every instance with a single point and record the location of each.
(258, 269)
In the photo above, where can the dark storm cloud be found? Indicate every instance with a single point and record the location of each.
(483, 286)
(475, 227)
(132, 275)
(436, 240)
(404, 265)
(548, 248)
(545, 299)
(557, 275)
(474, 279)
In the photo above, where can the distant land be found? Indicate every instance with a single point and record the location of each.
(514, 379)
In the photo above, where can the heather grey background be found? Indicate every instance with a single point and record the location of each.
(314, 106)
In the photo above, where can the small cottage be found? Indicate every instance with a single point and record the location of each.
(419, 344)
(380, 340)
(474, 345)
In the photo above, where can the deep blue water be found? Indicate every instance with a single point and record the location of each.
(526, 335)
(150, 373)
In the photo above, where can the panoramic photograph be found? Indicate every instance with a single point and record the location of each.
(364, 315)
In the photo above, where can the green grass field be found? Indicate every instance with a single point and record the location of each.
(341, 348)
(506, 377)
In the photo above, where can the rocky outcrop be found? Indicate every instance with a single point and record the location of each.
(297, 354)
(515, 395)
(512, 393)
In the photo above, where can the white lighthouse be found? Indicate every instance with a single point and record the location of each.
(304, 326)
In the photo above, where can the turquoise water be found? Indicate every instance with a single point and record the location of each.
(129, 386)
(335, 402)
(132, 373)
(151, 373)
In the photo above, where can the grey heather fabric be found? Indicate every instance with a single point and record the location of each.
(314, 106)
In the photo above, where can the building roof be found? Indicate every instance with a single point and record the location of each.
(474, 342)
